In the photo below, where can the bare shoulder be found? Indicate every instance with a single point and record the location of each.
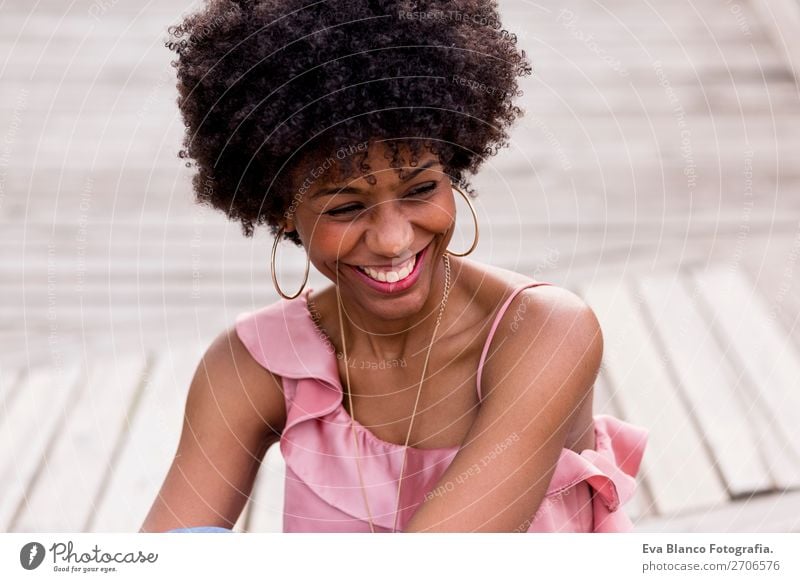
(490, 283)
(549, 337)
(558, 302)
(557, 323)
(568, 335)
(252, 388)
(234, 412)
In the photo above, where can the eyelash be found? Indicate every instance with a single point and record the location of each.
(340, 211)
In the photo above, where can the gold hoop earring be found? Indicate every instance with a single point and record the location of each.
(474, 219)
(275, 279)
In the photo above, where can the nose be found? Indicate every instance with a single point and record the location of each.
(390, 234)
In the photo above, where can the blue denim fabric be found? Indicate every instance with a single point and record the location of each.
(201, 529)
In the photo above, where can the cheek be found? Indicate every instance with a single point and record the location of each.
(437, 215)
(330, 241)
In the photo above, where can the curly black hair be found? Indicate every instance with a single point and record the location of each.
(267, 84)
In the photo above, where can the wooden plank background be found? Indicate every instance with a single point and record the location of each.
(652, 174)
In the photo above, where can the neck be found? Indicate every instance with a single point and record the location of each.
(388, 339)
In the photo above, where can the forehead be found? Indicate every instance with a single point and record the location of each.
(343, 166)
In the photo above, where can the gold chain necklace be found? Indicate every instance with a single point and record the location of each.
(416, 402)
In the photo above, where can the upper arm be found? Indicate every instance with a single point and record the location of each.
(533, 385)
(234, 411)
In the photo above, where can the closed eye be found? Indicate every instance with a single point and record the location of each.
(429, 187)
(424, 190)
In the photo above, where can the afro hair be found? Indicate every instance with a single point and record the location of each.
(267, 85)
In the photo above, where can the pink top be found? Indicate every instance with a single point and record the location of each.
(322, 489)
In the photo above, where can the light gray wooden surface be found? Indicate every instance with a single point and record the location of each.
(654, 173)
(87, 447)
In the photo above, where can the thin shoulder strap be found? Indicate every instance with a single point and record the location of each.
(496, 322)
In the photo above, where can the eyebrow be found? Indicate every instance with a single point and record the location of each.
(353, 190)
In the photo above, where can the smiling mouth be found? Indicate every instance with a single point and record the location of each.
(391, 274)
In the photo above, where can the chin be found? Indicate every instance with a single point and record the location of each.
(397, 307)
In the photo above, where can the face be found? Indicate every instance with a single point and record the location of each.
(381, 243)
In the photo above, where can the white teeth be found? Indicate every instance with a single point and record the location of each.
(391, 276)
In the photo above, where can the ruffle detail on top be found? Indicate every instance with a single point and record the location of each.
(610, 471)
(320, 450)
(317, 441)
(318, 446)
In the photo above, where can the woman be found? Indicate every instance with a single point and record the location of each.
(420, 391)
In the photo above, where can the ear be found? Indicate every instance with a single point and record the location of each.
(288, 225)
